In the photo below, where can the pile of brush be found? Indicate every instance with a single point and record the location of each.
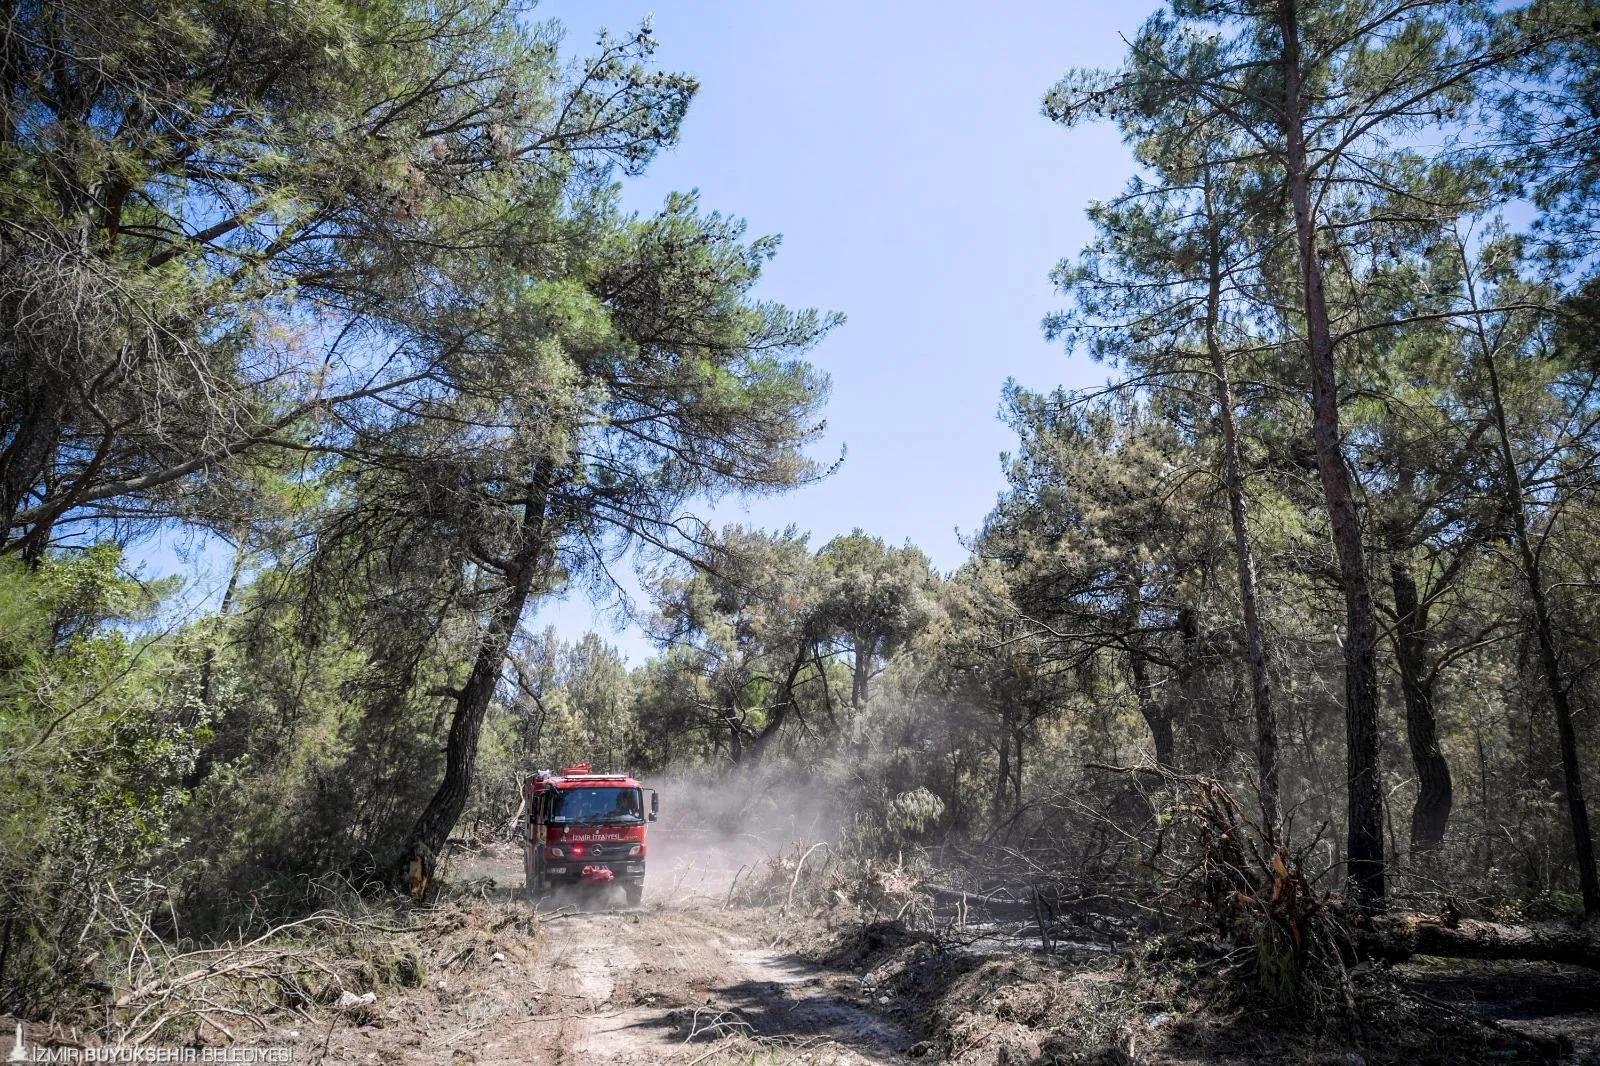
(1248, 884)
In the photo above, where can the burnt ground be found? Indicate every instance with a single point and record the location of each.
(1557, 1003)
(976, 1002)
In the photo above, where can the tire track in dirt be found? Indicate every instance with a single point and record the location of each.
(664, 986)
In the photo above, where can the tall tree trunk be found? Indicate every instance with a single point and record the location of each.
(1157, 716)
(1364, 834)
(1266, 719)
(1020, 738)
(1002, 781)
(1189, 701)
(861, 678)
(1485, 801)
(730, 718)
(1549, 654)
(953, 745)
(417, 865)
(1435, 795)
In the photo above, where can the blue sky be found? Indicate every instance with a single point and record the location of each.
(899, 150)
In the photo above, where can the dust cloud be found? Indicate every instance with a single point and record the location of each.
(715, 825)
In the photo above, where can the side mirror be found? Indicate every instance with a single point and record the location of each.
(655, 804)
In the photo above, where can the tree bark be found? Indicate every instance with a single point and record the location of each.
(1156, 716)
(866, 647)
(1019, 738)
(1400, 937)
(1435, 794)
(730, 715)
(1364, 835)
(1266, 720)
(418, 862)
(1002, 781)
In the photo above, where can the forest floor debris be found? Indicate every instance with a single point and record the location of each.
(687, 979)
(982, 1008)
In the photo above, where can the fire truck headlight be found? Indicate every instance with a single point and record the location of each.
(553, 853)
(635, 851)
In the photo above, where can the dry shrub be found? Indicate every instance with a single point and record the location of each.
(826, 875)
(155, 985)
(163, 986)
(1256, 889)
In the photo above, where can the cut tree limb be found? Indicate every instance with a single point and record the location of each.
(1399, 937)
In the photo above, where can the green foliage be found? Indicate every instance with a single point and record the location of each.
(360, 301)
(915, 813)
(99, 732)
(347, 285)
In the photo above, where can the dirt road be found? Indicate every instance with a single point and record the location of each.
(680, 980)
(666, 985)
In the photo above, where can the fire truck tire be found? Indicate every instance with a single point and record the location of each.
(635, 894)
(531, 882)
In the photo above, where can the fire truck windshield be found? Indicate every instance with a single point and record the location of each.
(597, 805)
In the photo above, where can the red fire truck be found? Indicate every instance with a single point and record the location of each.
(585, 829)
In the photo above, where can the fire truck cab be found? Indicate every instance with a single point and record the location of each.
(585, 830)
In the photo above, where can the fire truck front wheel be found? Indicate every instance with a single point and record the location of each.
(532, 877)
(635, 894)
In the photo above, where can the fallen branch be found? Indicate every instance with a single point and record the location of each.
(216, 969)
(735, 884)
(801, 865)
(1396, 938)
